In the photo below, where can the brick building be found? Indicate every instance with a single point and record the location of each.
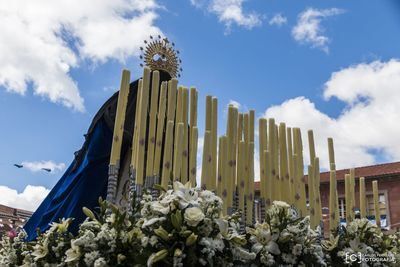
(388, 177)
(11, 218)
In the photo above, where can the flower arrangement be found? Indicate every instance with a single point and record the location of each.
(362, 239)
(184, 226)
(285, 239)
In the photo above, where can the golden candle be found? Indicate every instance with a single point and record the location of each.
(185, 139)
(333, 220)
(224, 167)
(240, 128)
(206, 162)
(268, 197)
(142, 127)
(262, 126)
(250, 182)
(120, 119)
(178, 146)
(271, 149)
(278, 180)
(235, 145)
(208, 113)
(136, 126)
(291, 165)
(283, 160)
(151, 140)
(352, 191)
(311, 197)
(214, 137)
(221, 166)
(363, 207)
(311, 146)
(193, 155)
(251, 126)
(241, 174)
(172, 88)
(231, 125)
(179, 107)
(160, 128)
(375, 193)
(337, 207)
(317, 194)
(167, 159)
(239, 138)
(193, 107)
(300, 172)
(296, 191)
(349, 204)
(331, 150)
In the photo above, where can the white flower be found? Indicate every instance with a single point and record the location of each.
(158, 207)
(210, 245)
(193, 216)
(281, 204)
(223, 226)
(144, 241)
(296, 250)
(73, 254)
(168, 197)
(357, 246)
(111, 218)
(41, 251)
(289, 258)
(90, 257)
(242, 254)
(187, 195)
(152, 221)
(61, 227)
(100, 262)
(153, 240)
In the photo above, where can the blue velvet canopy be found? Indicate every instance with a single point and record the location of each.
(85, 180)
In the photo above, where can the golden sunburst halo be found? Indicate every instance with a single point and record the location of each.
(160, 54)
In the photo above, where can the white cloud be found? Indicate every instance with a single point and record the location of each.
(36, 166)
(230, 12)
(367, 124)
(44, 40)
(308, 29)
(278, 19)
(29, 199)
(235, 104)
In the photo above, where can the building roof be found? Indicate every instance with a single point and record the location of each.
(373, 171)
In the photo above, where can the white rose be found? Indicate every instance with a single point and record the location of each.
(193, 216)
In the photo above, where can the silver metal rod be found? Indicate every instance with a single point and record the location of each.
(112, 182)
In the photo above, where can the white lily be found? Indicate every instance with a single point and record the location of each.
(187, 195)
(152, 221)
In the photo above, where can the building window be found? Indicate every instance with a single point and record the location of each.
(369, 206)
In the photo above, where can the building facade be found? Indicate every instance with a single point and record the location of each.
(388, 177)
(11, 218)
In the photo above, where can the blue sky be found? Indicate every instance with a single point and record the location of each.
(229, 49)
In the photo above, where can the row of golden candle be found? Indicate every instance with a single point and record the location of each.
(350, 196)
(164, 148)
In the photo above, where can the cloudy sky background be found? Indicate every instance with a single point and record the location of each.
(331, 66)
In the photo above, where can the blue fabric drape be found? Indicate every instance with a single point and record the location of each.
(80, 186)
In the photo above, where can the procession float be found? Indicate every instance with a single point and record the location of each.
(131, 197)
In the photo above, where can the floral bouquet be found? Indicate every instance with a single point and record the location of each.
(285, 239)
(362, 243)
(185, 226)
